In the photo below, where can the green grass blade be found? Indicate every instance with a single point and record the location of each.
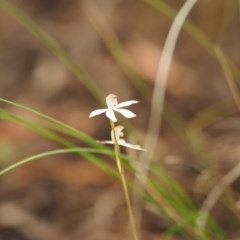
(36, 127)
(80, 135)
(53, 153)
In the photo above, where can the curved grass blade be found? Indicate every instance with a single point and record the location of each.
(35, 126)
(52, 153)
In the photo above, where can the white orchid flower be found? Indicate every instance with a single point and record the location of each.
(120, 140)
(114, 106)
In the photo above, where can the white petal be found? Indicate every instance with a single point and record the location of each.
(126, 103)
(97, 112)
(129, 145)
(106, 142)
(110, 114)
(126, 113)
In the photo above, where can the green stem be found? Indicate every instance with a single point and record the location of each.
(124, 182)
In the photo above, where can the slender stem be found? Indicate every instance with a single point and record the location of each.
(124, 182)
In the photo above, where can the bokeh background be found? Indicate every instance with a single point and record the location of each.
(117, 44)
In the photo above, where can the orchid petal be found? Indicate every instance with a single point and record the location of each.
(126, 103)
(97, 112)
(121, 141)
(132, 146)
(110, 114)
(126, 113)
(106, 142)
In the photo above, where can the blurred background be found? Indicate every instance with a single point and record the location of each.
(116, 45)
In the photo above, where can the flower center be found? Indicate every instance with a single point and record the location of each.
(111, 101)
